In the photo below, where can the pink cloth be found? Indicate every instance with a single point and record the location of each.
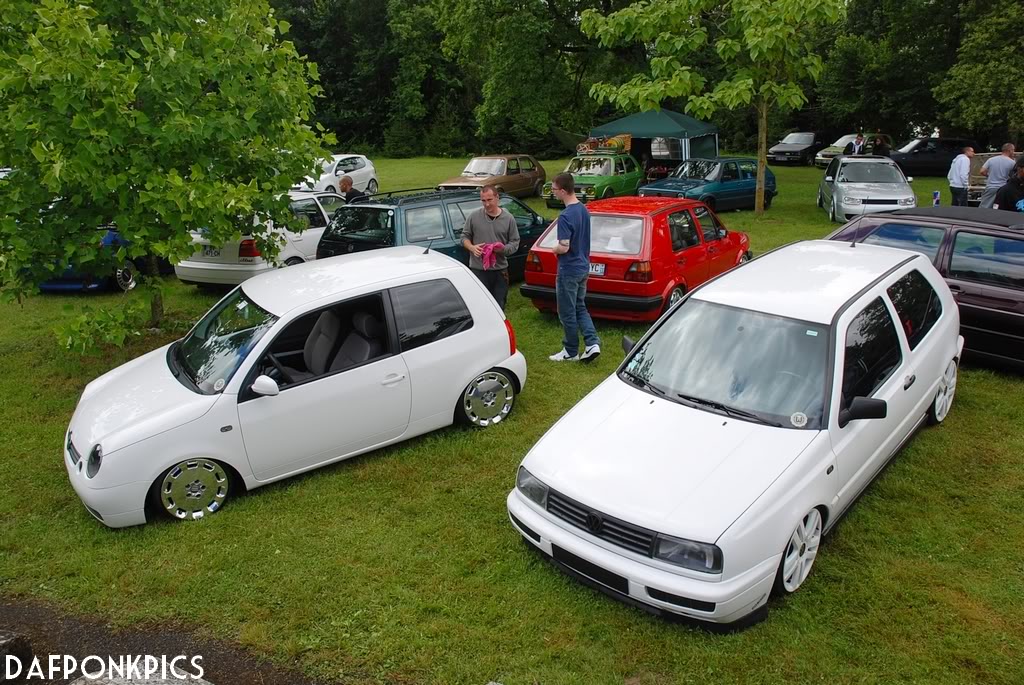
(487, 255)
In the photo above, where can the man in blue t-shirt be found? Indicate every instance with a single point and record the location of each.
(573, 250)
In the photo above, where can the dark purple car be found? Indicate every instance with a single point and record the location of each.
(980, 253)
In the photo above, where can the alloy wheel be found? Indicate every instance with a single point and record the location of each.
(801, 551)
(194, 488)
(488, 399)
(944, 397)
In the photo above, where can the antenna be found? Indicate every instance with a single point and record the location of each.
(426, 251)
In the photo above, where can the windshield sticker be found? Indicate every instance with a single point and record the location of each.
(799, 419)
(813, 334)
(219, 385)
(391, 212)
(242, 304)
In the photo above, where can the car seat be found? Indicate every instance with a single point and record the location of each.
(362, 344)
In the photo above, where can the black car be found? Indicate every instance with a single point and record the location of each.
(796, 148)
(980, 253)
(929, 156)
(424, 217)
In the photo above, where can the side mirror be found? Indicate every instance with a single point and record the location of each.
(538, 219)
(722, 233)
(265, 386)
(829, 179)
(862, 408)
(910, 179)
(627, 344)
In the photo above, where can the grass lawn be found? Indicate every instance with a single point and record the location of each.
(401, 567)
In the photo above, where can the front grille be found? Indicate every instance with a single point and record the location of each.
(615, 531)
(592, 571)
(75, 456)
(881, 202)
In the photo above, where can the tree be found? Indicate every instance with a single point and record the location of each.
(765, 48)
(986, 85)
(161, 118)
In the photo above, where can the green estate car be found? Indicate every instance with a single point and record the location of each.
(600, 175)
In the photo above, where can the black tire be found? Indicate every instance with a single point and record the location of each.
(538, 189)
(331, 189)
(820, 201)
(294, 261)
(767, 200)
(371, 187)
(608, 192)
(710, 202)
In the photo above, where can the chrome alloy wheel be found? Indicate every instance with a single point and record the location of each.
(488, 399)
(944, 397)
(801, 551)
(194, 488)
(675, 296)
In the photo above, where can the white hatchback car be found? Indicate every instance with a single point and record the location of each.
(293, 370)
(238, 260)
(357, 167)
(701, 476)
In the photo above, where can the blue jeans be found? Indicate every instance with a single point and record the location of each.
(570, 294)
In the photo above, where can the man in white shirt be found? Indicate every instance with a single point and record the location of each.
(959, 176)
(997, 171)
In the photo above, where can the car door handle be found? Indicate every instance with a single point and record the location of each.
(681, 261)
(955, 288)
(909, 382)
(393, 378)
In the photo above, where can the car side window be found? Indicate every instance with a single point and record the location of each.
(988, 259)
(429, 311)
(424, 223)
(620, 167)
(682, 230)
(526, 164)
(708, 224)
(520, 212)
(872, 352)
(350, 164)
(729, 172)
(917, 305)
(457, 218)
(330, 203)
(630, 165)
(309, 211)
(924, 239)
(748, 170)
(833, 167)
(513, 166)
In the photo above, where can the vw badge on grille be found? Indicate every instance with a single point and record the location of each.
(594, 522)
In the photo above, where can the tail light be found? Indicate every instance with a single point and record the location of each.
(533, 262)
(511, 338)
(639, 271)
(247, 248)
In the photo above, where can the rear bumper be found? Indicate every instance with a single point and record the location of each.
(627, 303)
(218, 274)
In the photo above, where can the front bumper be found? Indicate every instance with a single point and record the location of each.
(628, 303)
(116, 507)
(218, 274)
(853, 211)
(636, 582)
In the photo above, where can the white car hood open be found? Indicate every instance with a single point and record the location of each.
(133, 402)
(662, 465)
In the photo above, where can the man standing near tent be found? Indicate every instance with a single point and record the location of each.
(573, 250)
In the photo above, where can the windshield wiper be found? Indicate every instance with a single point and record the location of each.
(731, 411)
(642, 382)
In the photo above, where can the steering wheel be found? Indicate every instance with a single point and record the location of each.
(280, 367)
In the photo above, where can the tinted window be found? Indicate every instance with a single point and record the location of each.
(424, 223)
(427, 312)
(309, 211)
(364, 224)
(708, 223)
(917, 305)
(872, 352)
(682, 230)
(988, 259)
(923, 239)
(630, 165)
(729, 172)
(831, 171)
(330, 203)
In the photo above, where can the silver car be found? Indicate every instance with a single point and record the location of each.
(863, 184)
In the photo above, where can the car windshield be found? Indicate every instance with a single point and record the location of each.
(701, 169)
(845, 140)
(212, 351)
(484, 167)
(867, 172)
(909, 145)
(374, 225)
(590, 166)
(325, 165)
(608, 234)
(771, 371)
(799, 139)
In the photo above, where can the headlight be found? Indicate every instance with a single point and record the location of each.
(533, 488)
(908, 201)
(590, 192)
(695, 556)
(92, 466)
(547, 188)
(852, 200)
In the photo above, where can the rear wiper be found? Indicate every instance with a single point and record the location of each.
(731, 411)
(642, 382)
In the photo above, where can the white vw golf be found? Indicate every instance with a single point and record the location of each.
(292, 370)
(701, 476)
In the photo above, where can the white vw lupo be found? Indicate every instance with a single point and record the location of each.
(704, 472)
(292, 370)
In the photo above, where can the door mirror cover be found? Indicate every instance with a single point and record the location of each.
(627, 344)
(265, 386)
(863, 408)
(829, 179)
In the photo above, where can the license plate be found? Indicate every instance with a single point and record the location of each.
(597, 269)
(211, 252)
(780, 158)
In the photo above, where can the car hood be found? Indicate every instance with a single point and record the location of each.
(591, 180)
(788, 147)
(876, 190)
(133, 402)
(662, 465)
(468, 181)
(680, 184)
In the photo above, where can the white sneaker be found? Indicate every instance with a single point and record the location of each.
(562, 356)
(590, 353)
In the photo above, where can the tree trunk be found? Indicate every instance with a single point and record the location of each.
(762, 152)
(156, 302)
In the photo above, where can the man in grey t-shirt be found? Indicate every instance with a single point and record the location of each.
(490, 235)
(997, 170)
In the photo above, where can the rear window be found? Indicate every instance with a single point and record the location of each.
(608, 234)
(363, 224)
(923, 239)
(988, 259)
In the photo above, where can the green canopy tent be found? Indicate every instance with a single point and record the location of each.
(664, 134)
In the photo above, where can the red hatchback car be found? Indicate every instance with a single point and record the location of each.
(645, 254)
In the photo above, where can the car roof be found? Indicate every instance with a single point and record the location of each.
(511, 155)
(414, 196)
(646, 206)
(281, 290)
(974, 215)
(865, 158)
(809, 280)
(296, 193)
